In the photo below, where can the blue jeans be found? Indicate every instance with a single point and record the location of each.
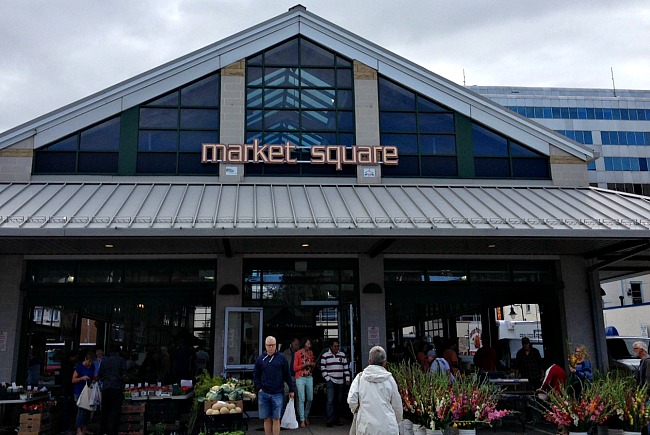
(334, 395)
(305, 386)
(270, 405)
(83, 415)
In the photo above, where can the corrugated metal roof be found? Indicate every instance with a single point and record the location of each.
(87, 208)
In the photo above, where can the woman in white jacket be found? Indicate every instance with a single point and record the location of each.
(374, 398)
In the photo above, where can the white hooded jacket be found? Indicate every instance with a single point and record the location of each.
(375, 397)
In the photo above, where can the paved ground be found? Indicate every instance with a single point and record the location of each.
(318, 427)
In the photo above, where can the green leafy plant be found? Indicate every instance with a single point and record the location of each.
(157, 429)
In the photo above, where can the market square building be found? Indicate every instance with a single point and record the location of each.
(107, 213)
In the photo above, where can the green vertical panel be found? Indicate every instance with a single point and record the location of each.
(128, 141)
(464, 146)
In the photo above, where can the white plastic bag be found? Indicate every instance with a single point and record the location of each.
(289, 420)
(85, 399)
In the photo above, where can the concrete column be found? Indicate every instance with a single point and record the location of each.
(232, 116)
(11, 309)
(366, 112)
(579, 316)
(229, 271)
(372, 310)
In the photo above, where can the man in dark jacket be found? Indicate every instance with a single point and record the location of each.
(269, 375)
(111, 373)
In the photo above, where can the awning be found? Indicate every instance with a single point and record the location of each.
(164, 209)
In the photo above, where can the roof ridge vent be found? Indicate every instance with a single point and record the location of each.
(297, 7)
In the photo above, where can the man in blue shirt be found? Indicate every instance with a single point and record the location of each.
(269, 376)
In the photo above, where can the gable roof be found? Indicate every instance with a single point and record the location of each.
(297, 21)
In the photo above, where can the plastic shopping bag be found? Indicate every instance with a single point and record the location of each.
(85, 399)
(96, 396)
(289, 420)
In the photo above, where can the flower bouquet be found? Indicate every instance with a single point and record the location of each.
(474, 403)
(629, 406)
(578, 414)
(422, 394)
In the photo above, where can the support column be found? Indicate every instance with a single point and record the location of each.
(11, 310)
(232, 115)
(229, 271)
(583, 324)
(366, 112)
(372, 309)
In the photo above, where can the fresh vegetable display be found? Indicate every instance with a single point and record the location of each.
(232, 389)
(223, 408)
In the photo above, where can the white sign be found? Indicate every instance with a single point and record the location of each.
(369, 172)
(373, 336)
(231, 170)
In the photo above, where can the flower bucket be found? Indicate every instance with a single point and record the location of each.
(419, 430)
(466, 431)
(625, 432)
(434, 432)
(578, 433)
(611, 431)
(406, 427)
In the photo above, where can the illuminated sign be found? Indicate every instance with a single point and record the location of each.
(337, 155)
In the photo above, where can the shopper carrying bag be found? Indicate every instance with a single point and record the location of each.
(289, 420)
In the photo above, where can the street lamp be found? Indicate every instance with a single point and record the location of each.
(513, 314)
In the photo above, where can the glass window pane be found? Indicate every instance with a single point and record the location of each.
(343, 62)
(281, 137)
(167, 100)
(156, 163)
(436, 123)
(394, 97)
(158, 118)
(405, 143)
(530, 168)
(312, 54)
(200, 118)
(318, 99)
(59, 162)
(344, 78)
(310, 139)
(67, 144)
(345, 99)
(346, 139)
(425, 105)
(256, 60)
(254, 97)
(397, 122)
(488, 143)
(204, 93)
(439, 166)
(284, 54)
(254, 120)
(98, 163)
(317, 78)
(281, 77)
(492, 167)
(409, 166)
(438, 144)
(346, 121)
(281, 98)
(517, 150)
(192, 140)
(281, 120)
(254, 76)
(157, 140)
(318, 120)
(102, 137)
(190, 163)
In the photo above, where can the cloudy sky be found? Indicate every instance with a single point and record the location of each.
(54, 52)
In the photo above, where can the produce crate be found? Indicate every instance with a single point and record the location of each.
(215, 424)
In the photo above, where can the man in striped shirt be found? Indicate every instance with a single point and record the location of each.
(336, 371)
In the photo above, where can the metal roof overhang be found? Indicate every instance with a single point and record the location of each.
(154, 218)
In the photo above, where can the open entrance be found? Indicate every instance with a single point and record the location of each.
(160, 314)
(470, 304)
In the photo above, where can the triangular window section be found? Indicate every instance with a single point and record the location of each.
(302, 93)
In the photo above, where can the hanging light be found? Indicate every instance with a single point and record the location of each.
(512, 313)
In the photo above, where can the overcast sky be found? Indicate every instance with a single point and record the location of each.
(54, 52)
